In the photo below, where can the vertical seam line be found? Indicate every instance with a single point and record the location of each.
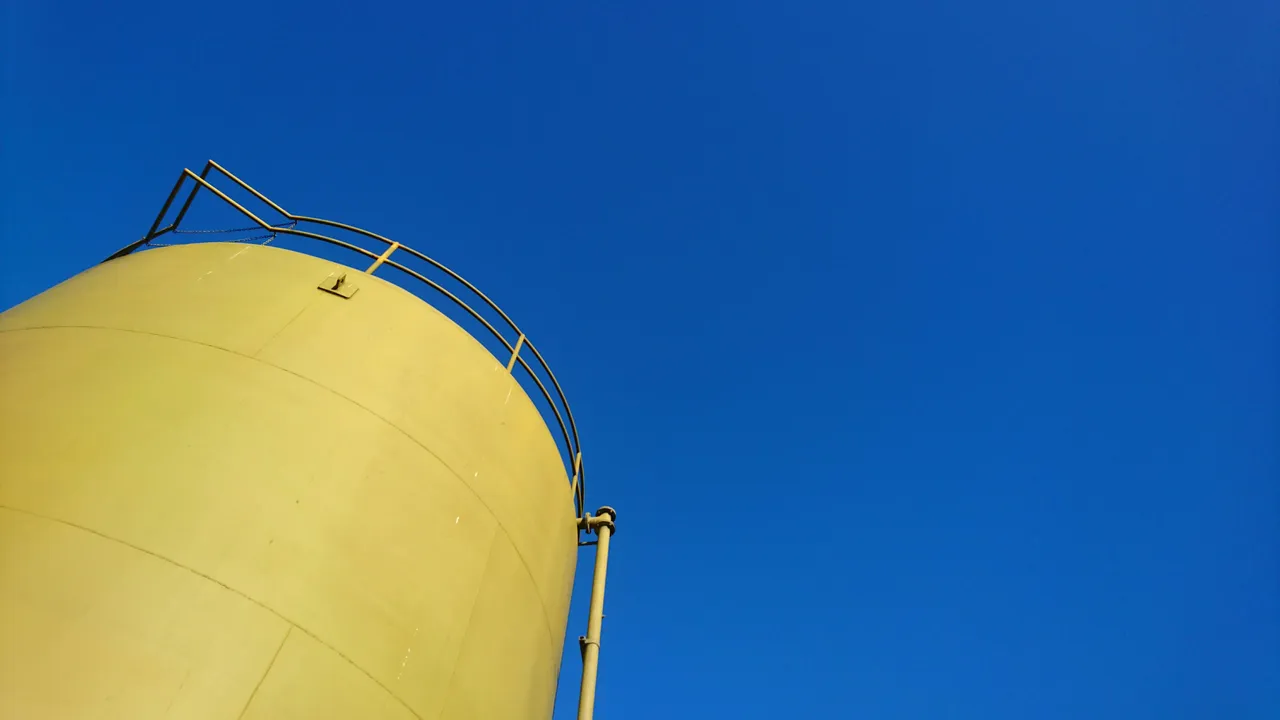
(266, 672)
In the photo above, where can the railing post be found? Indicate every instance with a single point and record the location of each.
(383, 257)
(515, 353)
(192, 196)
(577, 471)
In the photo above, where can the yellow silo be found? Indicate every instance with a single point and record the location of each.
(238, 481)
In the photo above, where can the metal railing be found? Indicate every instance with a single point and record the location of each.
(568, 431)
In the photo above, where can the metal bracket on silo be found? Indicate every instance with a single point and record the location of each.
(337, 284)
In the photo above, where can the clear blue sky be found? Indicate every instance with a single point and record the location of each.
(931, 352)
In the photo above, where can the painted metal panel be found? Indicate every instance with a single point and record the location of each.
(359, 470)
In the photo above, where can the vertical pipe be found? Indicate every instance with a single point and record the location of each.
(591, 643)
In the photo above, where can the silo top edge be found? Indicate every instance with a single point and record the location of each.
(387, 247)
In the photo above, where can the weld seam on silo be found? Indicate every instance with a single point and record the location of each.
(276, 334)
(466, 628)
(222, 585)
(288, 631)
(551, 636)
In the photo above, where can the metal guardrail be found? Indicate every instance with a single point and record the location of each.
(569, 430)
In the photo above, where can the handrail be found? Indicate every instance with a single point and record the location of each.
(568, 431)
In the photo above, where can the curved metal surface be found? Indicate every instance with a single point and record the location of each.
(569, 430)
(229, 495)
